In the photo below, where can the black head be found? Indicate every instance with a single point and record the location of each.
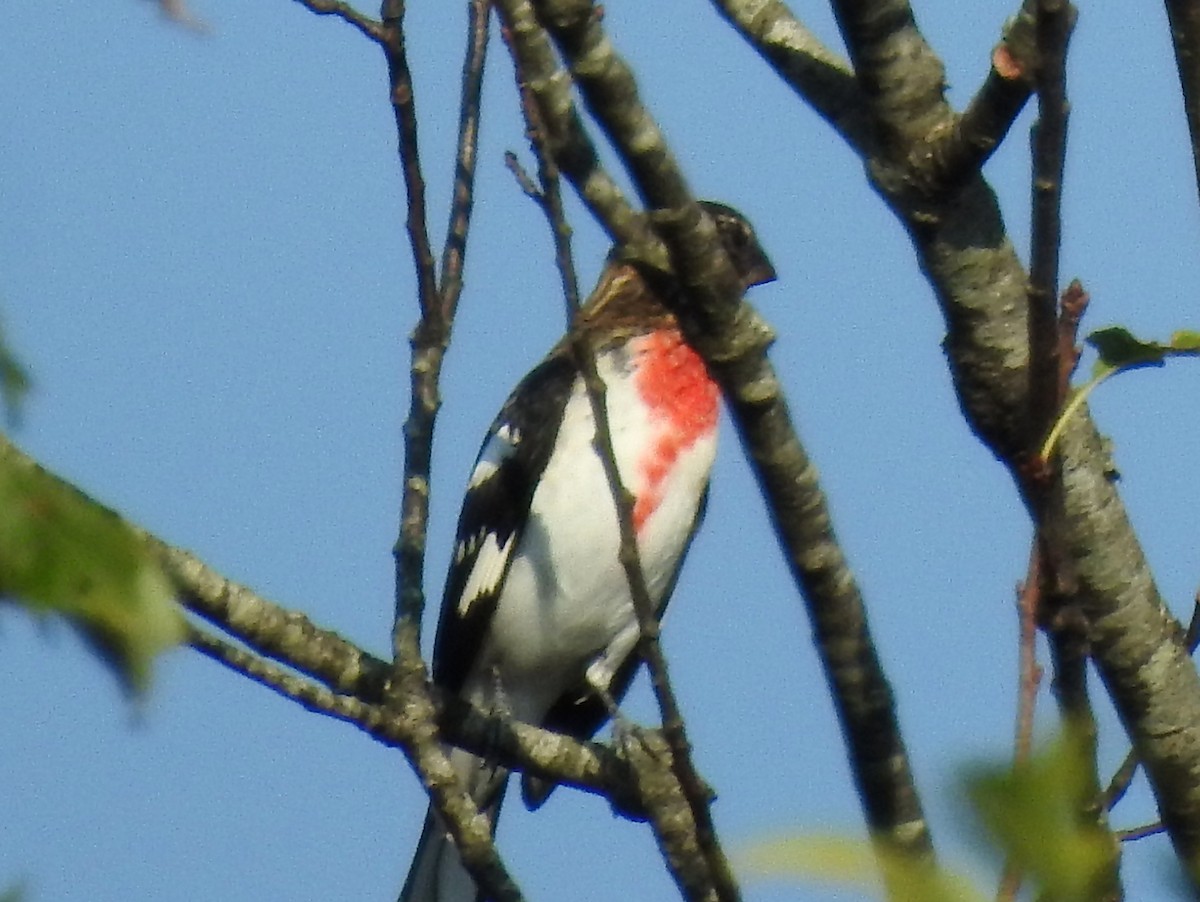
(736, 233)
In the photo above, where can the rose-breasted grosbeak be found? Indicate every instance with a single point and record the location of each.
(537, 618)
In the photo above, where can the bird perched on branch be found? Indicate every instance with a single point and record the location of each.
(537, 617)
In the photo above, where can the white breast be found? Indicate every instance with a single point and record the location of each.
(566, 595)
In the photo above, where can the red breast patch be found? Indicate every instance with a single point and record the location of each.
(673, 382)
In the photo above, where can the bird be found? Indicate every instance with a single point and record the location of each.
(537, 619)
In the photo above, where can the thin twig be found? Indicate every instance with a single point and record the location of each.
(1051, 335)
(428, 345)
(577, 35)
(365, 24)
(1054, 19)
(1029, 601)
(408, 689)
(307, 694)
(1028, 606)
(463, 192)
(589, 766)
(1136, 833)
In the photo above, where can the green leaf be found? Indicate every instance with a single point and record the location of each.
(14, 381)
(13, 894)
(1186, 341)
(1121, 349)
(1034, 813)
(62, 553)
(855, 863)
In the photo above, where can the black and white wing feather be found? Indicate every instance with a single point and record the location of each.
(495, 511)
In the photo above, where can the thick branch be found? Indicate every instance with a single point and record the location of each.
(816, 73)
(981, 287)
(564, 134)
(733, 342)
(935, 162)
(1138, 647)
(900, 76)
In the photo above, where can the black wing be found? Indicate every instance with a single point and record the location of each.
(495, 510)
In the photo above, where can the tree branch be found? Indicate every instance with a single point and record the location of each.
(691, 848)
(900, 76)
(428, 341)
(589, 766)
(1054, 21)
(572, 150)
(1184, 19)
(982, 291)
(821, 78)
(956, 152)
(357, 680)
(367, 26)
(733, 341)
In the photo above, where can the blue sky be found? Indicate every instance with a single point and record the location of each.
(202, 261)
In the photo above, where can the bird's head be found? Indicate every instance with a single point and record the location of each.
(737, 236)
(741, 243)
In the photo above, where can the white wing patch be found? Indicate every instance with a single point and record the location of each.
(500, 446)
(486, 571)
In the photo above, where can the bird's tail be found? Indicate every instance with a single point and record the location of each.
(437, 873)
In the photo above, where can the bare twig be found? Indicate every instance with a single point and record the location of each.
(309, 695)
(1142, 832)
(365, 24)
(408, 690)
(589, 766)
(1051, 334)
(1029, 602)
(1054, 20)
(463, 196)
(1028, 606)
(428, 345)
